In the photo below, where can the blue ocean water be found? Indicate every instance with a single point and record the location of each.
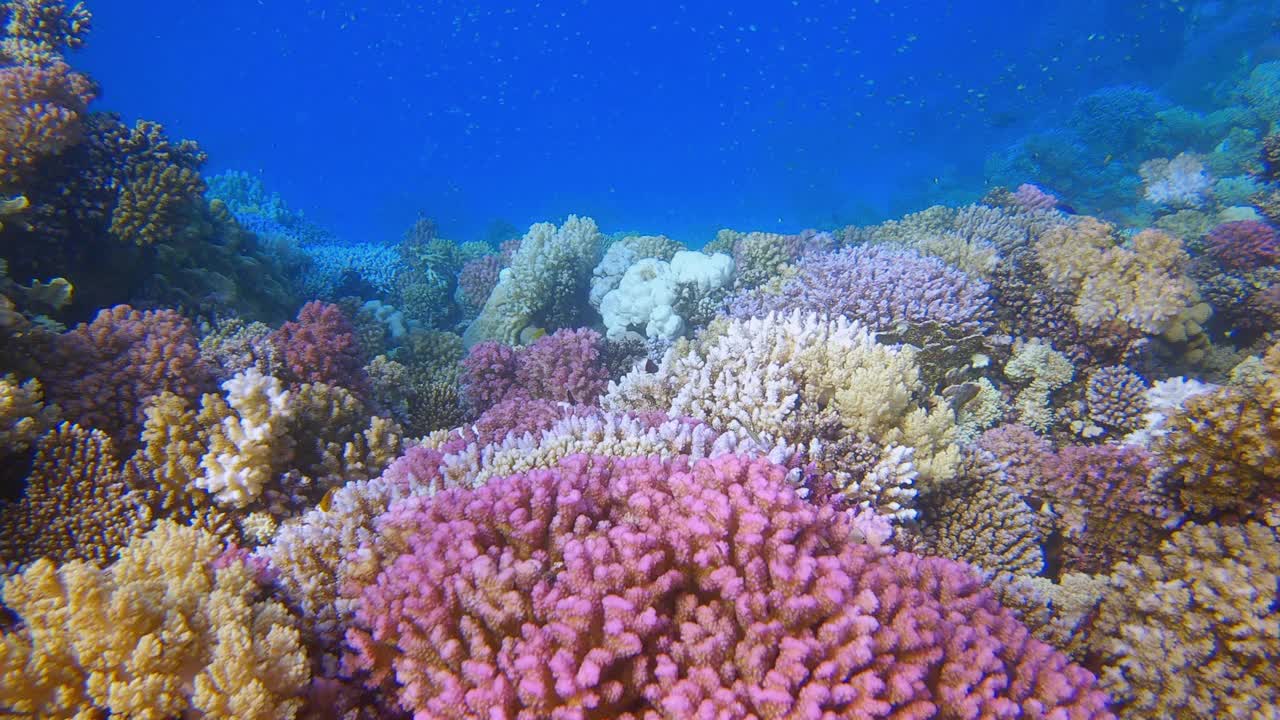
(670, 117)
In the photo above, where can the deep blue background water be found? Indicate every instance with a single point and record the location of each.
(656, 116)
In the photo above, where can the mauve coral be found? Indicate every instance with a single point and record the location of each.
(1243, 244)
(477, 279)
(880, 287)
(320, 347)
(564, 367)
(1110, 506)
(648, 588)
(102, 373)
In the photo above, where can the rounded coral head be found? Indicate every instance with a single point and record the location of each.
(672, 588)
(1243, 245)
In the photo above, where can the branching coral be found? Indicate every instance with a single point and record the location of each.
(1194, 630)
(980, 519)
(166, 631)
(36, 31)
(1142, 286)
(775, 377)
(23, 415)
(649, 588)
(1109, 505)
(1243, 245)
(159, 185)
(879, 287)
(1177, 183)
(102, 373)
(320, 346)
(547, 271)
(1043, 370)
(564, 366)
(1222, 449)
(77, 503)
(41, 114)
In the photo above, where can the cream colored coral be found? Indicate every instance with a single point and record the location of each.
(1043, 370)
(1143, 285)
(548, 257)
(158, 634)
(759, 377)
(249, 444)
(23, 415)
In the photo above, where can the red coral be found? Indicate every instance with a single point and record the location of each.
(1243, 245)
(320, 346)
(103, 372)
(649, 588)
(41, 114)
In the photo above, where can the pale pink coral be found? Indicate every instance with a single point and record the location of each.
(649, 588)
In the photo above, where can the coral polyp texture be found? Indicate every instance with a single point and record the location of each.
(651, 588)
(1010, 452)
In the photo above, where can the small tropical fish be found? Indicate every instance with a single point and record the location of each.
(327, 501)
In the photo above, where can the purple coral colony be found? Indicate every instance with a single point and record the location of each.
(993, 461)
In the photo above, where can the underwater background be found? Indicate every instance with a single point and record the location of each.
(679, 118)
(584, 360)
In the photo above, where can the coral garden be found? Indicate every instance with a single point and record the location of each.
(1004, 460)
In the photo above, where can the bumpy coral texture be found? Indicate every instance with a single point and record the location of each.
(1194, 631)
(1109, 505)
(792, 378)
(1222, 449)
(163, 632)
(41, 113)
(77, 504)
(102, 373)
(546, 271)
(320, 346)
(1243, 245)
(647, 588)
(1142, 285)
(879, 287)
(563, 367)
(23, 415)
(36, 31)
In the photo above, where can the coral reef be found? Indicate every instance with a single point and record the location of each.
(622, 588)
(1193, 631)
(166, 630)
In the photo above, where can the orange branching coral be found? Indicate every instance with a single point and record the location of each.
(77, 505)
(1223, 448)
(36, 31)
(1143, 285)
(1194, 631)
(174, 628)
(41, 114)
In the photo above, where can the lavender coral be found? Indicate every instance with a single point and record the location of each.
(879, 287)
(647, 588)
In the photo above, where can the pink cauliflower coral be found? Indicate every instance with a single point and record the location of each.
(102, 373)
(320, 346)
(562, 367)
(650, 588)
(1243, 245)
